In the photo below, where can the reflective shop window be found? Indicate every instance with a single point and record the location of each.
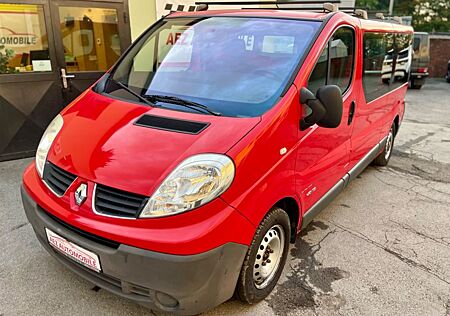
(378, 62)
(90, 38)
(403, 50)
(23, 39)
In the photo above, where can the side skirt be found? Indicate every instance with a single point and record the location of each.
(342, 183)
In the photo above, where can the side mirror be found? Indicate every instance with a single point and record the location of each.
(326, 107)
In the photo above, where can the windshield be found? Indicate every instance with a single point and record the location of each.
(233, 66)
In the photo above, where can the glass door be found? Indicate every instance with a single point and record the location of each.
(50, 52)
(89, 38)
(30, 93)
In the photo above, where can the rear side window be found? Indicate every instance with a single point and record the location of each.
(335, 64)
(387, 62)
(378, 63)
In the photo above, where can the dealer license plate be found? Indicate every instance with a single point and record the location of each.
(82, 256)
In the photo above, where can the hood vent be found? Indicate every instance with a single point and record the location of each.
(171, 124)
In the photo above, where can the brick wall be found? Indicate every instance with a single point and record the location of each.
(439, 55)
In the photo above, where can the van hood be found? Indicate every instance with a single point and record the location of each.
(101, 142)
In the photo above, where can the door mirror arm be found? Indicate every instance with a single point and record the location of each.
(326, 107)
(318, 110)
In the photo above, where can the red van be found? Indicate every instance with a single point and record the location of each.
(181, 177)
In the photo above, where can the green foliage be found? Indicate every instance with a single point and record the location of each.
(427, 16)
(373, 5)
(5, 56)
(431, 16)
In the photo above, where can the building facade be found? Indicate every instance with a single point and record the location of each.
(52, 50)
(439, 54)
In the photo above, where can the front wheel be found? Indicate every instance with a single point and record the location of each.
(383, 158)
(265, 258)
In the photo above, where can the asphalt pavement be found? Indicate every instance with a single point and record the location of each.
(381, 248)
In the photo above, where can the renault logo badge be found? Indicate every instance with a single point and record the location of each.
(81, 194)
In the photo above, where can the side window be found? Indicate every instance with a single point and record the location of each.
(318, 77)
(378, 60)
(342, 48)
(335, 64)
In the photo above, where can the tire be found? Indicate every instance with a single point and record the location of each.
(415, 86)
(261, 268)
(383, 158)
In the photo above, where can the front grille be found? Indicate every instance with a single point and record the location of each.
(114, 202)
(97, 239)
(57, 179)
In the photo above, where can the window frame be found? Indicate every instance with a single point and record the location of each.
(327, 45)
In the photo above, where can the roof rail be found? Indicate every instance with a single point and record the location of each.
(360, 13)
(379, 15)
(327, 6)
(330, 7)
(396, 19)
(262, 2)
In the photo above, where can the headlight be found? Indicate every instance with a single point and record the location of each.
(46, 142)
(196, 181)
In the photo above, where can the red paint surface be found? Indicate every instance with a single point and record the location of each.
(100, 144)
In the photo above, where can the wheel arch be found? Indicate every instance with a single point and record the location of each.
(292, 208)
(397, 124)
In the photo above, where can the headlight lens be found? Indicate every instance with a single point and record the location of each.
(196, 181)
(46, 142)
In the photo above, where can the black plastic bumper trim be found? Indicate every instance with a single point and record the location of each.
(198, 282)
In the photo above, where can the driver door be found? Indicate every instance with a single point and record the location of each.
(323, 155)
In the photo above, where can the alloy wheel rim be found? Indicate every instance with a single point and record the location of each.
(388, 147)
(268, 257)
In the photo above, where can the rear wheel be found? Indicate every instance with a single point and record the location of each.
(265, 258)
(415, 85)
(383, 158)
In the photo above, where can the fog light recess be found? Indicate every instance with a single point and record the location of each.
(166, 301)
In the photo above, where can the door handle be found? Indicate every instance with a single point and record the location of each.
(351, 112)
(64, 77)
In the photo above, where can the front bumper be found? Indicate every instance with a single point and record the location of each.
(183, 284)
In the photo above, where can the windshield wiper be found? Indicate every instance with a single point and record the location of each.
(178, 101)
(137, 95)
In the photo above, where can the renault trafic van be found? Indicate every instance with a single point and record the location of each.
(181, 177)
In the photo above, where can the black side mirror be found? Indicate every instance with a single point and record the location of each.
(326, 107)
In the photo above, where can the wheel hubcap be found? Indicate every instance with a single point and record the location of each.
(388, 147)
(268, 257)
